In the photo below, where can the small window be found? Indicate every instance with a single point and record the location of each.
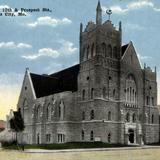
(82, 135)
(83, 95)
(110, 51)
(92, 93)
(87, 78)
(48, 138)
(91, 136)
(152, 118)
(147, 100)
(61, 138)
(92, 114)
(104, 92)
(25, 88)
(114, 94)
(152, 101)
(83, 115)
(109, 77)
(109, 138)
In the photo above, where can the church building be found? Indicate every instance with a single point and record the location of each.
(108, 97)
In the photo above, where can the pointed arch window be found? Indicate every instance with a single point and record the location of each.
(134, 118)
(83, 53)
(92, 93)
(114, 94)
(48, 112)
(109, 116)
(110, 51)
(104, 92)
(83, 115)
(128, 117)
(92, 115)
(115, 52)
(38, 112)
(104, 50)
(83, 94)
(88, 52)
(82, 135)
(152, 120)
(92, 50)
(109, 138)
(91, 136)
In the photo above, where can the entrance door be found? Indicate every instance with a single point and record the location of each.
(131, 135)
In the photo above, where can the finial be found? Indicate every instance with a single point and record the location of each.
(109, 12)
(120, 26)
(81, 27)
(155, 69)
(98, 5)
(99, 14)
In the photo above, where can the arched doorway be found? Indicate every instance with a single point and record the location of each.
(131, 135)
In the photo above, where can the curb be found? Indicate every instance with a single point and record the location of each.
(89, 150)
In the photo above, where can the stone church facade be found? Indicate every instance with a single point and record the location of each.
(107, 97)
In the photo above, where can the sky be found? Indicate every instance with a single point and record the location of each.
(46, 42)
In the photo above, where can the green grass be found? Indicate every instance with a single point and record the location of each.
(71, 145)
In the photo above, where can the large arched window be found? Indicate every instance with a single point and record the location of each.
(131, 90)
(115, 52)
(61, 110)
(91, 136)
(109, 115)
(104, 50)
(48, 112)
(92, 50)
(110, 50)
(92, 114)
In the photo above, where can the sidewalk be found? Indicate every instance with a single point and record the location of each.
(89, 150)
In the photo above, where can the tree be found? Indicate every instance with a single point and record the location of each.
(17, 122)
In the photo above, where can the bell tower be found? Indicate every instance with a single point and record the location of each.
(100, 52)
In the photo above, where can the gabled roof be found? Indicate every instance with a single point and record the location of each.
(123, 48)
(65, 80)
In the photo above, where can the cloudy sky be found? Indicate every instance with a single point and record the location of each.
(49, 41)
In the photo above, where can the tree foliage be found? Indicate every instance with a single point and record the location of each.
(17, 122)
